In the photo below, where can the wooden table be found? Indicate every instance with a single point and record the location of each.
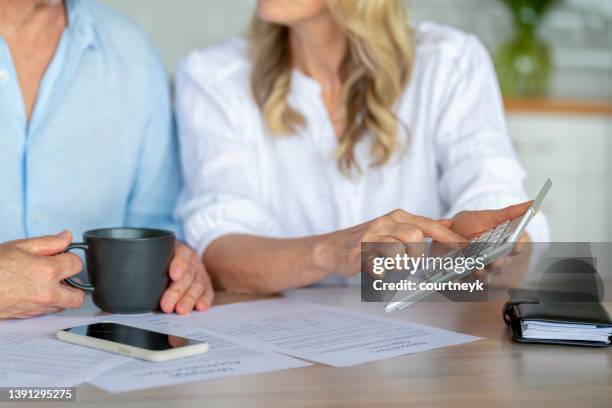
(493, 372)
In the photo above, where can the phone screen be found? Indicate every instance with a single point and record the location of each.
(132, 336)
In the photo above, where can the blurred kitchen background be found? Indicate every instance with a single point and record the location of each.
(556, 66)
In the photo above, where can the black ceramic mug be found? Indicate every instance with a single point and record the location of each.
(127, 267)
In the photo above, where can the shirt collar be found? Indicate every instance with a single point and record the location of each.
(80, 22)
(304, 83)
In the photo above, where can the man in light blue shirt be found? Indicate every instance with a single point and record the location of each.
(86, 141)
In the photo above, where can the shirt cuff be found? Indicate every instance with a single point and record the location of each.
(207, 224)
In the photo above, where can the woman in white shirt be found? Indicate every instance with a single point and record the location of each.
(303, 140)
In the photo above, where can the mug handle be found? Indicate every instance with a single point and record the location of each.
(83, 286)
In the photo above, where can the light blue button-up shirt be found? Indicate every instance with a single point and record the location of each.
(99, 149)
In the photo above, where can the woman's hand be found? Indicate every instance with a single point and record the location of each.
(473, 223)
(340, 252)
(190, 287)
(470, 224)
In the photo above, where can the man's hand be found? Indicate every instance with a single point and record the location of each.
(31, 275)
(470, 224)
(191, 286)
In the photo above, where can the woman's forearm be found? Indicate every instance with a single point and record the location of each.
(259, 265)
(251, 264)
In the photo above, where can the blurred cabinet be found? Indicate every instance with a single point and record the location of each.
(575, 151)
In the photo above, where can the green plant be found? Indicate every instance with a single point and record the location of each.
(524, 64)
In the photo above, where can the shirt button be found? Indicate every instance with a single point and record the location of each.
(4, 75)
(35, 216)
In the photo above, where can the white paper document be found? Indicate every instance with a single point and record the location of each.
(47, 324)
(244, 338)
(34, 359)
(320, 333)
(225, 358)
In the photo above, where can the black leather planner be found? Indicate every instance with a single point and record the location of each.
(561, 312)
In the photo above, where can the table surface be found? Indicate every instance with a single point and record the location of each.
(491, 372)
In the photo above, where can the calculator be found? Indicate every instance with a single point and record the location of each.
(489, 246)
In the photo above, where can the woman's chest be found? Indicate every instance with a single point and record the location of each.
(300, 182)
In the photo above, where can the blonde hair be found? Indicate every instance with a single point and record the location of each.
(374, 74)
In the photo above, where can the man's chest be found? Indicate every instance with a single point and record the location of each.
(31, 56)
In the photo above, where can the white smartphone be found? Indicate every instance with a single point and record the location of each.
(133, 341)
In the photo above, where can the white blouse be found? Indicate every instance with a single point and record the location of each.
(240, 179)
